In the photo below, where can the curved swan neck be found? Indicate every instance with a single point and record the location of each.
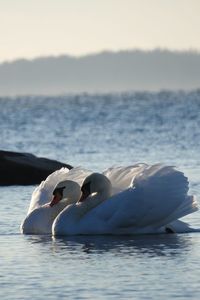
(98, 187)
(98, 184)
(103, 194)
(68, 191)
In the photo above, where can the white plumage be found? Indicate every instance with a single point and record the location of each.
(156, 198)
(138, 199)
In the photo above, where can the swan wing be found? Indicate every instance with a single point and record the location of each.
(154, 200)
(43, 193)
(121, 178)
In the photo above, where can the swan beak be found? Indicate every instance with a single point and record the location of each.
(85, 189)
(55, 199)
(57, 196)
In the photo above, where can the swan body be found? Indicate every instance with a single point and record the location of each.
(154, 200)
(40, 214)
(40, 220)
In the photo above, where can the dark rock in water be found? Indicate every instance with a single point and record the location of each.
(25, 169)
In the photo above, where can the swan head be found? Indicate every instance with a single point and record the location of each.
(95, 183)
(67, 189)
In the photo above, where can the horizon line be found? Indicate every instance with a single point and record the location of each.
(73, 56)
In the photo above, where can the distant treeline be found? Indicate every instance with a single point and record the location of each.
(103, 72)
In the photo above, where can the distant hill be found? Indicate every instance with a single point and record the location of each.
(103, 72)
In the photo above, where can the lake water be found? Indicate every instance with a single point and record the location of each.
(98, 131)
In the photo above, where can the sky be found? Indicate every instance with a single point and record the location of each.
(32, 28)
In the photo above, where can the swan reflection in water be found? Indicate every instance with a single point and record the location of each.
(151, 245)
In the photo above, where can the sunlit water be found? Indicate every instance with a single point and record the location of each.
(97, 132)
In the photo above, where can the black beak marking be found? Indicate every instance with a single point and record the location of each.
(59, 190)
(86, 188)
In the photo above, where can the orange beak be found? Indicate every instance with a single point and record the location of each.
(55, 199)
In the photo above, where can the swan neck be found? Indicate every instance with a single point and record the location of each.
(105, 194)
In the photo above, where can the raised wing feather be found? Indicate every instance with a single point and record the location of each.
(122, 178)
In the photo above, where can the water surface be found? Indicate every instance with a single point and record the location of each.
(98, 131)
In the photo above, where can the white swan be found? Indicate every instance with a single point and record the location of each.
(60, 185)
(155, 201)
(40, 220)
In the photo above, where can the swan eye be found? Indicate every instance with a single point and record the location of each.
(58, 190)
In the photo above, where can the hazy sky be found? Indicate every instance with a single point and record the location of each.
(31, 28)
